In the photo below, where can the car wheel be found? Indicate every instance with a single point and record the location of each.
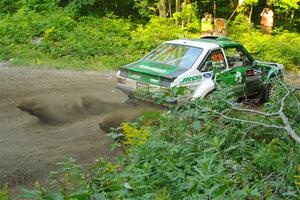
(265, 94)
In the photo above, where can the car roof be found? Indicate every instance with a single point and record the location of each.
(208, 42)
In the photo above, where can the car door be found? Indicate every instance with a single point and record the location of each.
(239, 62)
(252, 75)
(217, 63)
(213, 63)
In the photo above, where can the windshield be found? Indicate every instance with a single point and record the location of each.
(174, 54)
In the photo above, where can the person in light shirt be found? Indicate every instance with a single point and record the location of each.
(267, 21)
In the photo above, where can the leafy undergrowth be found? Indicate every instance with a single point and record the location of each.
(191, 153)
(57, 39)
(4, 194)
(281, 47)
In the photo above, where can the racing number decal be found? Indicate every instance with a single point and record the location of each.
(218, 57)
(254, 72)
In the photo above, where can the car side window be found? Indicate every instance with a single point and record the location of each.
(214, 62)
(236, 57)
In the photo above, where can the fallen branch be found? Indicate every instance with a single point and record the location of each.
(280, 114)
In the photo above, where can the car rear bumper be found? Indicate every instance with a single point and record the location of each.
(125, 89)
(133, 94)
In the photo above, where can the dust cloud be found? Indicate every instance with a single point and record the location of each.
(115, 119)
(63, 109)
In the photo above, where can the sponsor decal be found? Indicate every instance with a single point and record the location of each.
(135, 76)
(154, 80)
(157, 70)
(145, 78)
(238, 77)
(190, 79)
(207, 75)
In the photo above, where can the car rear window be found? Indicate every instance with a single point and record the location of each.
(174, 54)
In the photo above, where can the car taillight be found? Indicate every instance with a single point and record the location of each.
(121, 80)
(250, 72)
(124, 73)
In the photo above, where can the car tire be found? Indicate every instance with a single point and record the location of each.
(265, 94)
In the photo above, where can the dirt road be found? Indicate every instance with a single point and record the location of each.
(29, 149)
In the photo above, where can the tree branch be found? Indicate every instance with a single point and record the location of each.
(247, 121)
(288, 127)
(280, 113)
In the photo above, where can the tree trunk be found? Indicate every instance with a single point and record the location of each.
(162, 8)
(214, 9)
(177, 5)
(250, 14)
(170, 8)
(292, 16)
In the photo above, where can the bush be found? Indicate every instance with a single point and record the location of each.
(109, 40)
(41, 38)
(62, 36)
(158, 30)
(282, 47)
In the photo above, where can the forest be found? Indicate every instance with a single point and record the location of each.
(204, 149)
(74, 34)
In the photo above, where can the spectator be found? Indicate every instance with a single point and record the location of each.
(267, 21)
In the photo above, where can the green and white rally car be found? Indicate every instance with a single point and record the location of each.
(200, 64)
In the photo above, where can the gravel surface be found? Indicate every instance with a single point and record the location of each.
(29, 148)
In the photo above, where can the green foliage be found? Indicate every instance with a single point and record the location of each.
(193, 154)
(283, 47)
(146, 8)
(285, 5)
(61, 36)
(166, 96)
(188, 18)
(4, 193)
(42, 33)
(108, 41)
(39, 5)
(147, 37)
(9, 6)
(70, 180)
(134, 136)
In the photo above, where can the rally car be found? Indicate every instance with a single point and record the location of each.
(200, 65)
